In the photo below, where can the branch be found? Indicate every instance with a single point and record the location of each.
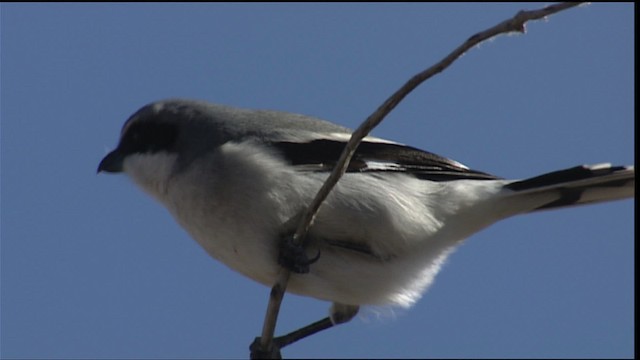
(514, 24)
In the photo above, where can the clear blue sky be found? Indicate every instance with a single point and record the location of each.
(93, 268)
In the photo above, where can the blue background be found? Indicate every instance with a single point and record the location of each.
(93, 268)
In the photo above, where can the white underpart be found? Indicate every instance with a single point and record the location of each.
(235, 201)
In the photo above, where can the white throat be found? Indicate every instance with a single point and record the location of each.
(152, 172)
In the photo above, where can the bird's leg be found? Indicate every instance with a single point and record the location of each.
(340, 314)
(293, 257)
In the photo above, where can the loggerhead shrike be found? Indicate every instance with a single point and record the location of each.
(236, 180)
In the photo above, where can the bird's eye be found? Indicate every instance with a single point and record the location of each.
(135, 136)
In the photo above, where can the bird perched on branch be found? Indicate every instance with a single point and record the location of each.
(237, 180)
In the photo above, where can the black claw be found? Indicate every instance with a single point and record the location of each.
(315, 258)
(293, 257)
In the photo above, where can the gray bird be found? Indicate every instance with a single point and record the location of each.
(237, 180)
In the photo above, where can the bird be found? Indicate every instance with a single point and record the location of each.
(237, 180)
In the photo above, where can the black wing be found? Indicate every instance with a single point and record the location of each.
(321, 155)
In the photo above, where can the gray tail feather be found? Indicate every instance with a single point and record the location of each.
(579, 185)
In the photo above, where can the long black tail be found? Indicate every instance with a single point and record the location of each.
(579, 185)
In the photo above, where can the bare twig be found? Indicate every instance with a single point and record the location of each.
(514, 24)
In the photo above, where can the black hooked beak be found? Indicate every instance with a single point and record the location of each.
(112, 163)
